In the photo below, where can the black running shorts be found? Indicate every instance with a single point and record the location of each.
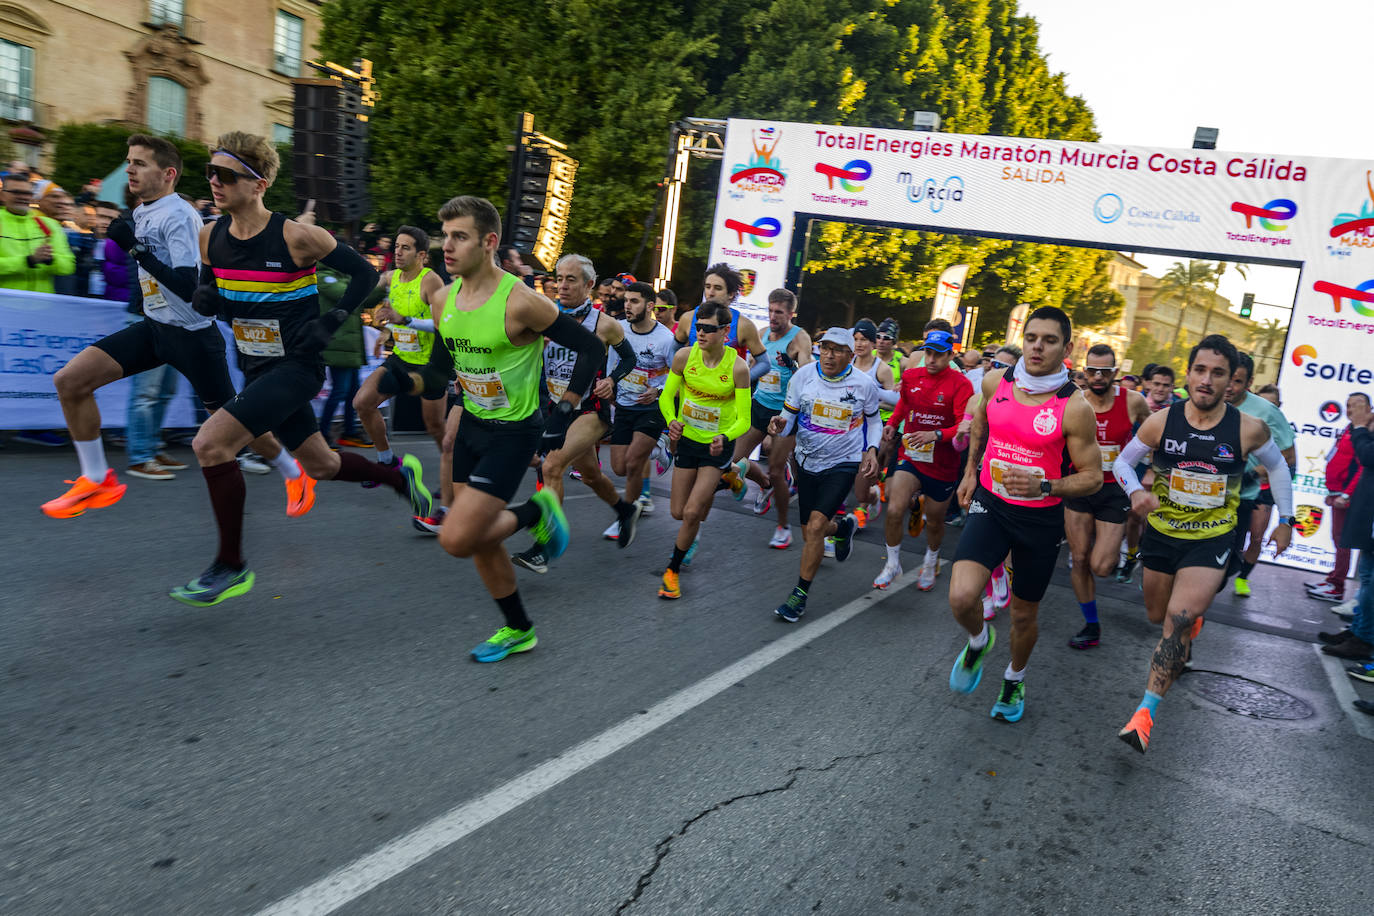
(824, 491)
(198, 355)
(996, 528)
(1168, 555)
(276, 398)
(935, 490)
(759, 416)
(1109, 504)
(393, 362)
(692, 454)
(494, 456)
(631, 420)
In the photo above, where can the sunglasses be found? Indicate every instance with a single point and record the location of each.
(226, 175)
(998, 364)
(1094, 370)
(886, 337)
(707, 328)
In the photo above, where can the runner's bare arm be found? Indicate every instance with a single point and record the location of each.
(800, 348)
(753, 343)
(1080, 437)
(977, 442)
(684, 328)
(1136, 408)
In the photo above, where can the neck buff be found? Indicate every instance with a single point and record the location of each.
(1039, 384)
(578, 313)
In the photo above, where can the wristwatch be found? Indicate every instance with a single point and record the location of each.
(138, 251)
(1288, 520)
(1045, 487)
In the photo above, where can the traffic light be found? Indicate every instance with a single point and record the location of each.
(1247, 304)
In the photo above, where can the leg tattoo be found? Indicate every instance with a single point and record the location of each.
(1167, 663)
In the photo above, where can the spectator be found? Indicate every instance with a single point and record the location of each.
(56, 204)
(1342, 477)
(114, 263)
(1357, 642)
(1270, 393)
(1159, 387)
(512, 263)
(33, 247)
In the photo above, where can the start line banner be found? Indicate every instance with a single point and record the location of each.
(1306, 212)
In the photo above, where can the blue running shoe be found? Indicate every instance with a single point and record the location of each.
(968, 667)
(504, 642)
(1011, 702)
(551, 531)
(791, 610)
(421, 500)
(690, 554)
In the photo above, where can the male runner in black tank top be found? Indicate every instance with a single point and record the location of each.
(258, 273)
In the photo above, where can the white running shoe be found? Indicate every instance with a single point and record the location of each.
(889, 574)
(646, 505)
(764, 501)
(1001, 594)
(612, 533)
(830, 548)
(252, 463)
(989, 608)
(926, 580)
(782, 539)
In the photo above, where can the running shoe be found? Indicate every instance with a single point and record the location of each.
(1242, 587)
(739, 484)
(44, 438)
(1137, 731)
(149, 470)
(844, 538)
(917, 522)
(356, 440)
(168, 462)
(532, 559)
(300, 494)
(955, 521)
(860, 516)
(432, 524)
(691, 553)
(763, 502)
(782, 538)
(393, 463)
(1011, 702)
(1127, 567)
(1315, 583)
(891, 572)
(925, 580)
(646, 505)
(830, 548)
(629, 526)
(216, 584)
(791, 610)
(551, 531)
(875, 510)
(612, 533)
(663, 456)
(989, 608)
(670, 588)
(1363, 672)
(1086, 638)
(1327, 592)
(251, 462)
(1001, 589)
(504, 642)
(968, 667)
(85, 494)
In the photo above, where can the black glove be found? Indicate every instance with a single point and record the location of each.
(317, 334)
(121, 231)
(786, 361)
(556, 427)
(206, 300)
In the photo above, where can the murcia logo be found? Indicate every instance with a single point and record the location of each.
(1174, 447)
(1044, 422)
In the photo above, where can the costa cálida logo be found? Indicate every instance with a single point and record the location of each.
(763, 173)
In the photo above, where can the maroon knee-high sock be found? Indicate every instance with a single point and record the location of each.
(353, 466)
(227, 493)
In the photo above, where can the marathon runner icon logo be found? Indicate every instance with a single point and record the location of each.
(1044, 422)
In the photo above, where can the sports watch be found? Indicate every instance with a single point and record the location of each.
(1045, 487)
(1288, 520)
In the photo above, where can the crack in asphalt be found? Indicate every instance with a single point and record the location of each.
(664, 846)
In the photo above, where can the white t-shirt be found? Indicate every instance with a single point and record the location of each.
(169, 228)
(653, 358)
(837, 419)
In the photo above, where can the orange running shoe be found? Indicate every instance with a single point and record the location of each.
(1196, 629)
(918, 519)
(1137, 731)
(300, 494)
(861, 518)
(670, 587)
(85, 494)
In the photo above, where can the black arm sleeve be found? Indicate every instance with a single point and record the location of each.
(626, 352)
(591, 353)
(180, 281)
(362, 277)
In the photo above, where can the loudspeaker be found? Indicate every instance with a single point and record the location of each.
(329, 149)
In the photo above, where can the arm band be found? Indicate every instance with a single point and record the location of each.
(873, 430)
(1280, 481)
(625, 360)
(888, 398)
(362, 277)
(590, 352)
(422, 324)
(179, 281)
(762, 366)
(1124, 465)
(790, 428)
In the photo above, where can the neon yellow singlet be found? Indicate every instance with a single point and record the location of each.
(708, 396)
(409, 344)
(500, 381)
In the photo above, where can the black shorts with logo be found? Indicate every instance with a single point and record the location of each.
(631, 420)
(1109, 504)
(932, 489)
(824, 491)
(198, 355)
(759, 416)
(1031, 535)
(277, 398)
(1168, 555)
(393, 362)
(492, 455)
(692, 454)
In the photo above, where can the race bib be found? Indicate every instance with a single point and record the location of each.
(997, 467)
(556, 386)
(404, 339)
(1196, 490)
(771, 383)
(484, 389)
(699, 416)
(830, 416)
(258, 336)
(1109, 453)
(922, 453)
(635, 382)
(152, 293)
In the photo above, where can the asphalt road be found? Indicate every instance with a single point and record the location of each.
(326, 742)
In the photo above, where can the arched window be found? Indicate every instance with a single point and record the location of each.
(166, 106)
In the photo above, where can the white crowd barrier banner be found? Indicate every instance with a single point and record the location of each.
(1311, 213)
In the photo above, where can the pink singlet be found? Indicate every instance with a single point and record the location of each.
(1026, 436)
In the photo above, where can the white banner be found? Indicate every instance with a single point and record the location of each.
(1261, 208)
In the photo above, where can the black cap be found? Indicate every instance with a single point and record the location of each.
(867, 328)
(889, 328)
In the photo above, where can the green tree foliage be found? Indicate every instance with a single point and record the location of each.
(83, 151)
(1187, 286)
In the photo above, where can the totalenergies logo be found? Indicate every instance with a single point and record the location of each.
(1361, 297)
(763, 172)
(1273, 216)
(759, 231)
(1302, 354)
(851, 176)
(1360, 223)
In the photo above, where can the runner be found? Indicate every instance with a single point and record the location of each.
(576, 277)
(867, 361)
(1159, 394)
(1031, 419)
(638, 422)
(163, 241)
(409, 286)
(490, 325)
(1200, 449)
(831, 417)
(1095, 525)
(713, 382)
(259, 273)
(788, 348)
(931, 408)
(1256, 496)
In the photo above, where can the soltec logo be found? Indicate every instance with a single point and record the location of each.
(1361, 297)
(1301, 354)
(1273, 216)
(1330, 412)
(1360, 223)
(1305, 356)
(851, 176)
(758, 231)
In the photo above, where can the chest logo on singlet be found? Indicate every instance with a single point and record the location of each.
(1174, 447)
(1224, 452)
(1044, 422)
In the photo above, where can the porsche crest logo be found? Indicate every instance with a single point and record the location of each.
(1309, 519)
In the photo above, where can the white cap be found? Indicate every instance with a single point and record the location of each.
(842, 336)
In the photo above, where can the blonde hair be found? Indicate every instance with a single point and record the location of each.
(252, 150)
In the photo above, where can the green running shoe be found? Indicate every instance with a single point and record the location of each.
(421, 500)
(214, 585)
(503, 642)
(1011, 702)
(691, 554)
(968, 667)
(551, 531)
(1242, 588)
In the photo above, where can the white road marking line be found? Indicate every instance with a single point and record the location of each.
(354, 880)
(1345, 694)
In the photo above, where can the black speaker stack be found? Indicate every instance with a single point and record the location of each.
(329, 149)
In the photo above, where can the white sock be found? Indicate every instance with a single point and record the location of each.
(981, 640)
(385, 456)
(1011, 674)
(894, 555)
(932, 557)
(286, 465)
(92, 457)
